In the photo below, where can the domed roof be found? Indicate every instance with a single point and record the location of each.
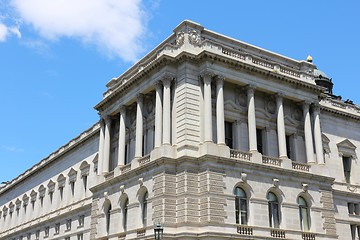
(320, 74)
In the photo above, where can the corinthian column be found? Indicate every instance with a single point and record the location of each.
(167, 110)
(317, 136)
(101, 146)
(281, 127)
(122, 135)
(158, 115)
(106, 154)
(220, 119)
(251, 118)
(308, 134)
(139, 127)
(207, 107)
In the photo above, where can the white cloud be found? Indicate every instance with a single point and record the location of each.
(114, 26)
(3, 32)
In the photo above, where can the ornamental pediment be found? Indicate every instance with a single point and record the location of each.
(346, 144)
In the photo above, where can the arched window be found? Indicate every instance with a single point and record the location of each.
(241, 213)
(274, 211)
(107, 210)
(125, 214)
(144, 208)
(304, 214)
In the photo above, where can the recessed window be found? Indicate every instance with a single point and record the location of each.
(47, 230)
(108, 218)
(125, 214)
(259, 140)
(241, 212)
(144, 209)
(304, 214)
(68, 224)
(274, 211)
(57, 228)
(229, 134)
(72, 184)
(85, 177)
(80, 236)
(347, 168)
(81, 220)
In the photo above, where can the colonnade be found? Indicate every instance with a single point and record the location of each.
(251, 117)
(162, 125)
(163, 122)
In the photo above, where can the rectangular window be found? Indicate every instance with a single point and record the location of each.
(68, 224)
(37, 234)
(47, 229)
(229, 134)
(351, 208)
(347, 168)
(57, 228)
(126, 153)
(81, 220)
(80, 236)
(85, 182)
(259, 139)
(61, 190)
(72, 185)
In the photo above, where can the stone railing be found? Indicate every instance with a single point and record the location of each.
(308, 236)
(263, 63)
(141, 232)
(277, 233)
(233, 53)
(290, 72)
(301, 166)
(126, 168)
(271, 160)
(240, 154)
(244, 230)
(144, 160)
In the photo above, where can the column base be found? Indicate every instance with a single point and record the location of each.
(166, 150)
(210, 148)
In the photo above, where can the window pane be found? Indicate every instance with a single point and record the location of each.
(243, 209)
(305, 219)
(237, 209)
(275, 210)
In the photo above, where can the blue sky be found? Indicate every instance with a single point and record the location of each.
(56, 56)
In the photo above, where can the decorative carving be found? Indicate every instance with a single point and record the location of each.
(194, 38)
(122, 188)
(167, 78)
(106, 195)
(271, 106)
(180, 37)
(276, 182)
(243, 177)
(207, 75)
(305, 187)
(242, 98)
(141, 182)
(297, 113)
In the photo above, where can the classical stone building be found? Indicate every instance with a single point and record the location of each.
(209, 136)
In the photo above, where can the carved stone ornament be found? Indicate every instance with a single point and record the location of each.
(106, 195)
(276, 182)
(297, 113)
(243, 177)
(241, 98)
(305, 187)
(271, 106)
(122, 188)
(194, 38)
(141, 182)
(180, 37)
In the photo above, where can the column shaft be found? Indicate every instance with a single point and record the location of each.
(101, 147)
(251, 119)
(281, 127)
(122, 137)
(139, 127)
(308, 134)
(158, 116)
(167, 111)
(106, 154)
(317, 136)
(207, 109)
(220, 118)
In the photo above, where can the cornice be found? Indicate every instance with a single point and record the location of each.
(193, 38)
(340, 108)
(82, 137)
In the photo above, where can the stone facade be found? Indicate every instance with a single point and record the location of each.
(209, 136)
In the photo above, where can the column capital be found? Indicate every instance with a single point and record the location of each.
(107, 119)
(219, 79)
(139, 97)
(251, 88)
(207, 75)
(122, 109)
(158, 85)
(279, 96)
(166, 78)
(316, 107)
(306, 105)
